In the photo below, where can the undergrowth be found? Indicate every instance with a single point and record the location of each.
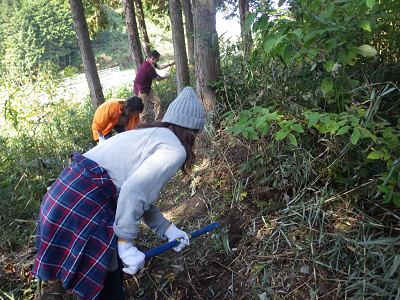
(303, 209)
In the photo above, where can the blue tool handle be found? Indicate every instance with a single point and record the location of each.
(157, 250)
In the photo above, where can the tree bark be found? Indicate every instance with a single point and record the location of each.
(142, 25)
(89, 64)
(187, 8)
(133, 34)
(246, 37)
(178, 37)
(206, 51)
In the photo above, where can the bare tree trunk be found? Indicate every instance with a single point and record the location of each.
(133, 34)
(142, 25)
(178, 36)
(89, 64)
(246, 37)
(206, 51)
(187, 8)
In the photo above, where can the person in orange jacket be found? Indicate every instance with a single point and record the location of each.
(117, 114)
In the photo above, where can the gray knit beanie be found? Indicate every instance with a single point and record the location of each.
(186, 110)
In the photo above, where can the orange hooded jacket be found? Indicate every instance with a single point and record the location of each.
(107, 116)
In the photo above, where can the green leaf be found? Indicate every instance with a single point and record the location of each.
(313, 115)
(370, 3)
(279, 39)
(281, 134)
(393, 143)
(252, 134)
(327, 85)
(393, 180)
(235, 128)
(329, 10)
(292, 138)
(287, 53)
(297, 127)
(343, 130)
(269, 44)
(309, 36)
(243, 121)
(388, 197)
(396, 199)
(260, 121)
(367, 50)
(356, 136)
(365, 24)
(249, 20)
(330, 44)
(346, 181)
(312, 122)
(366, 133)
(387, 132)
(256, 109)
(384, 188)
(298, 32)
(326, 120)
(375, 155)
(263, 129)
(328, 65)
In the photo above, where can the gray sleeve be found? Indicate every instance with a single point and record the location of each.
(141, 189)
(155, 220)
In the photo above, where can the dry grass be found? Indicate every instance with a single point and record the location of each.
(276, 241)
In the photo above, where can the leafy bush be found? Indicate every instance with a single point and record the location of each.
(307, 76)
(42, 124)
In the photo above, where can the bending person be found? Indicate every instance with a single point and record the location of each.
(118, 114)
(94, 209)
(142, 85)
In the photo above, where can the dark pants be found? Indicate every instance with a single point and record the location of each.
(113, 288)
(117, 128)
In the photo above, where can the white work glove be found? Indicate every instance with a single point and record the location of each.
(101, 139)
(174, 233)
(130, 256)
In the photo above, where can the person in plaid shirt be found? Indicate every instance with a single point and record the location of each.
(90, 216)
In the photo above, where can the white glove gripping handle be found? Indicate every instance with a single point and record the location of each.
(174, 233)
(130, 256)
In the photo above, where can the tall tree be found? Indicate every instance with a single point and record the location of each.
(142, 25)
(89, 64)
(206, 51)
(133, 34)
(187, 8)
(246, 36)
(178, 37)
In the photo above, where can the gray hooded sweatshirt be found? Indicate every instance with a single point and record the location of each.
(140, 162)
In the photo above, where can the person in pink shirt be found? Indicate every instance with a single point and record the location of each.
(142, 85)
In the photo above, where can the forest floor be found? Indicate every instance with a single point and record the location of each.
(234, 261)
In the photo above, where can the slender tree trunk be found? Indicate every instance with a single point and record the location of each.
(246, 36)
(133, 34)
(178, 36)
(206, 51)
(142, 25)
(89, 64)
(187, 8)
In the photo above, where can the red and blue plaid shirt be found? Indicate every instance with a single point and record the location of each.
(75, 238)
